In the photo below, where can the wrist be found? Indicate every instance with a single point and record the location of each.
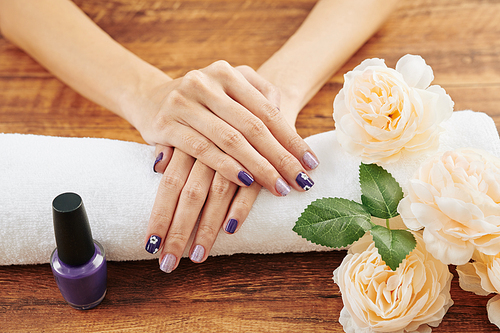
(140, 97)
(292, 98)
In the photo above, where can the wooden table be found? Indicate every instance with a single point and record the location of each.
(460, 39)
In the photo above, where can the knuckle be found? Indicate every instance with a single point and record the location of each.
(256, 127)
(224, 164)
(220, 188)
(294, 141)
(269, 89)
(231, 138)
(194, 192)
(199, 146)
(208, 230)
(221, 65)
(162, 123)
(177, 238)
(170, 181)
(176, 99)
(270, 113)
(242, 204)
(245, 69)
(263, 167)
(221, 69)
(159, 220)
(285, 161)
(193, 80)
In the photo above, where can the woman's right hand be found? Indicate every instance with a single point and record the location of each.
(189, 190)
(221, 116)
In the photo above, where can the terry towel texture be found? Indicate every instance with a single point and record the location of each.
(118, 187)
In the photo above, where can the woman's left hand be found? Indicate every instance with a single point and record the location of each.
(187, 189)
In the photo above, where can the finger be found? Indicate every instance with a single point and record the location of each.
(199, 146)
(216, 207)
(232, 142)
(238, 87)
(272, 117)
(240, 207)
(169, 190)
(266, 88)
(163, 155)
(246, 126)
(191, 201)
(262, 154)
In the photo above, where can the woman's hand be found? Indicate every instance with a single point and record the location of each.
(221, 116)
(188, 191)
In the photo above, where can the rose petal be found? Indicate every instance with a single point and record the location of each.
(494, 273)
(415, 71)
(375, 62)
(493, 308)
(469, 280)
(445, 250)
(429, 215)
(444, 104)
(404, 209)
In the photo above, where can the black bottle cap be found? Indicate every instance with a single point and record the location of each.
(75, 245)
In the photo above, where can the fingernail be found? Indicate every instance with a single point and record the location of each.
(153, 244)
(245, 178)
(282, 187)
(197, 254)
(168, 263)
(310, 161)
(158, 159)
(231, 226)
(304, 181)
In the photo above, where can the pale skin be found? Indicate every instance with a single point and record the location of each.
(299, 69)
(222, 119)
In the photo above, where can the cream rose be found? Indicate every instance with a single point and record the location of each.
(456, 197)
(483, 277)
(381, 113)
(377, 299)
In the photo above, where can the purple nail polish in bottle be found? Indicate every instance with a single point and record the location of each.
(79, 262)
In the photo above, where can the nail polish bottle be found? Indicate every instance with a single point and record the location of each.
(79, 262)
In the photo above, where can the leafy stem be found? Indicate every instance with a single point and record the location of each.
(338, 222)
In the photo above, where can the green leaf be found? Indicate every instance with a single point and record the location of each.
(333, 222)
(381, 193)
(393, 245)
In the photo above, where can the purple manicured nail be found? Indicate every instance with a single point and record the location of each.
(158, 159)
(304, 181)
(245, 178)
(310, 161)
(168, 263)
(197, 254)
(282, 187)
(231, 226)
(153, 244)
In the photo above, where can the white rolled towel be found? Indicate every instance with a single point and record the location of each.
(118, 188)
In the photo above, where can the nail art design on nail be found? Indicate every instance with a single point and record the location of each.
(282, 187)
(245, 178)
(310, 160)
(304, 181)
(197, 254)
(168, 263)
(153, 244)
(158, 159)
(231, 226)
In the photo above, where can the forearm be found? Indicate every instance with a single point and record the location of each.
(329, 36)
(64, 40)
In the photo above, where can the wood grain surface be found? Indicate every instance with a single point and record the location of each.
(460, 39)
